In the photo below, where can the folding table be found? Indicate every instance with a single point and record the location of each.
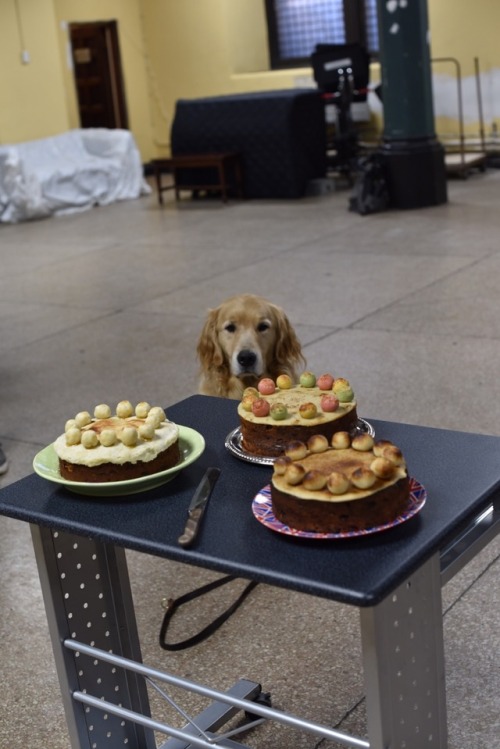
(394, 577)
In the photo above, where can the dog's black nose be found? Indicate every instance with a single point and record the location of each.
(246, 359)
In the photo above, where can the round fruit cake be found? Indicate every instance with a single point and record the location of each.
(130, 444)
(351, 484)
(276, 413)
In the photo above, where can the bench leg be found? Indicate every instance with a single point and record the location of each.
(238, 175)
(176, 183)
(158, 185)
(222, 180)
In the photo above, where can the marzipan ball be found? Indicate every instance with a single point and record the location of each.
(363, 478)
(129, 436)
(153, 421)
(90, 439)
(124, 409)
(314, 481)
(260, 408)
(382, 468)
(338, 483)
(155, 416)
(284, 382)
(341, 440)
(107, 437)
(266, 386)
(296, 450)
(102, 411)
(394, 454)
(294, 473)
(317, 443)
(325, 381)
(142, 409)
(308, 410)
(251, 391)
(363, 442)
(82, 419)
(247, 401)
(379, 446)
(280, 464)
(342, 390)
(307, 379)
(73, 436)
(329, 403)
(279, 411)
(147, 430)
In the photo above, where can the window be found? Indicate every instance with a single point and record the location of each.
(295, 27)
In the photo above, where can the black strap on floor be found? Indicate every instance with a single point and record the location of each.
(173, 605)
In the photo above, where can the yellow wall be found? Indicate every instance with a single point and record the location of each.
(32, 96)
(187, 55)
(205, 48)
(187, 48)
(465, 30)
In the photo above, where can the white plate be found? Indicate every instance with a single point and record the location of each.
(191, 443)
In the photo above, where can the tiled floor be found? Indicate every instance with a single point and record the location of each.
(108, 304)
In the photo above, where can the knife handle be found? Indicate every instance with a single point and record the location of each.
(191, 529)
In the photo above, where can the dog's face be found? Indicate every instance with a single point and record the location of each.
(244, 339)
(247, 330)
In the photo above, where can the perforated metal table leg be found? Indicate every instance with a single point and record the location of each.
(403, 656)
(87, 597)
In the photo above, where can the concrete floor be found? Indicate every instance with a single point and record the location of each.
(108, 304)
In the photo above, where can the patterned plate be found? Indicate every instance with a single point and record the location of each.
(234, 446)
(263, 511)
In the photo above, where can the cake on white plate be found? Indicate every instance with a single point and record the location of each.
(279, 412)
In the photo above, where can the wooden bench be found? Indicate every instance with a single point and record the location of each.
(225, 166)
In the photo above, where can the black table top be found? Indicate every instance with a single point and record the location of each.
(460, 472)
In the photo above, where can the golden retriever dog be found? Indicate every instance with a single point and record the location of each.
(244, 339)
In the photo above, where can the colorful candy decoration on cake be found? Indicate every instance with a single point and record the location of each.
(327, 394)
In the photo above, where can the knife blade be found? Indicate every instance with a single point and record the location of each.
(197, 506)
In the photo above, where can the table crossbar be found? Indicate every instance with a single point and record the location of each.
(225, 697)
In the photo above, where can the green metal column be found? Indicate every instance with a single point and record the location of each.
(414, 158)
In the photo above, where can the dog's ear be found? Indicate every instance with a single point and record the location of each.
(288, 354)
(209, 350)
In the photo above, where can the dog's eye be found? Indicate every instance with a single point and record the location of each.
(230, 327)
(263, 326)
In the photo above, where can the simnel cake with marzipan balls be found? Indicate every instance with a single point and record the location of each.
(278, 412)
(349, 484)
(129, 444)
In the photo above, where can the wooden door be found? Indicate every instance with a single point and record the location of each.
(98, 74)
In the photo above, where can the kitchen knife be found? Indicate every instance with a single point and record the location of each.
(197, 506)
